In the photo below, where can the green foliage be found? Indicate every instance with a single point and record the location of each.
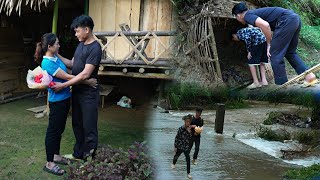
(116, 164)
(192, 94)
(311, 36)
(306, 173)
(272, 118)
(271, 135)
(303, 99)
(309, 56)
(308, 138)
(180, 4)
(309, 10)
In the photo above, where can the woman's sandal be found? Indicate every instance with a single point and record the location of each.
(56, 170)
(253, 86)
(63, 161)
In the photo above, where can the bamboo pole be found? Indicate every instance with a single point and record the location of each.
(314, 69)
(86, 7)
(214, 49)
(55, 17)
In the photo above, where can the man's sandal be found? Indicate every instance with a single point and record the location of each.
(56, 170)
(63, 161)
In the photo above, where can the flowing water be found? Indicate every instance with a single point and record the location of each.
(223, 156)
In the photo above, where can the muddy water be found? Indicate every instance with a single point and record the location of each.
(220, 156)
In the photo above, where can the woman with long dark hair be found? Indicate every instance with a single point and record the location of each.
(59, 102)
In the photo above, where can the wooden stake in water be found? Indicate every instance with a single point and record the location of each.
(218, 125)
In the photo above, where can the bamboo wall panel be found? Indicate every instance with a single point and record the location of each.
(135, 15)
(150, 16)
(164, 20)
(122, 16)
(95, 9)
(108, 21)
(156, 15)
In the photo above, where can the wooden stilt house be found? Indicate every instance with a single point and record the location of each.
(136, 36)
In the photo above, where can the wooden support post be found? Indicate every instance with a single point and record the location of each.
(218, 125)
(161, 92)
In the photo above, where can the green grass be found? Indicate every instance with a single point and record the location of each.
(183, 95)
(311, 36)
(271, 118)
(308, 138)
(302, 99)
(22, 150)
(306, 173)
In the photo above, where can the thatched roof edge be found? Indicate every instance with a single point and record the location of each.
(8, 6)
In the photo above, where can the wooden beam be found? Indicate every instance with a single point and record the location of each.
(136, 33)
(135, 75)
(159, 62)
(134, 66)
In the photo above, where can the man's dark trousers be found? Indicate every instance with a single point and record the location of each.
(284, 44)
(85, 106)
(196, 141)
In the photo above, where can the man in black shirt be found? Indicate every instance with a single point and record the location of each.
(85, 99)
(286, 26)
(196, 121)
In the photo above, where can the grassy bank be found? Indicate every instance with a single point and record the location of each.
(307, 173)
(22, 150)
(187, 94)
(311, 36)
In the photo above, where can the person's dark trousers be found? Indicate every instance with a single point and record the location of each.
(284, 44)
(57, 121)
(85, 106)
(196, 141)
(186, 154)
